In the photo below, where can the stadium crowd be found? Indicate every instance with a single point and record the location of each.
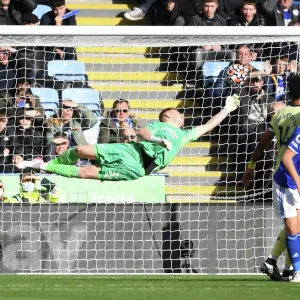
(27, 132)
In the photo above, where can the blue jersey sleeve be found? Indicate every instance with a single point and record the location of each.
(294, 142)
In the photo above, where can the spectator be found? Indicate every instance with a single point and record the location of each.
(138, 13)
(59, 144)
(8, 15)
(247, 16)
(208, 16)
(54, 17)
(281, 12)
(25, 98)
(2, 190)
(222, 88)
(72, 119)
(8, 69)
(30, 19)
(182, 11)
(255, 112)
(127, 135)
(27, 138)
(24, 6)
(111, 125)
(6, 141)
(31, 194)
(204, 53)
(227, 8)
(277, 82)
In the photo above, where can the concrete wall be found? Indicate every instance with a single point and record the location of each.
(119, 238)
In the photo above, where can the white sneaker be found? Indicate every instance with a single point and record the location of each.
(135, 15)
(296, 277)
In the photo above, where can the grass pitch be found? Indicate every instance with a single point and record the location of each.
(86, 287)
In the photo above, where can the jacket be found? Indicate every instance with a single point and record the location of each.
(85, 121)
(222, 88)
(109, 132)
(274, 12)
(184, 8)
(200, 20)
(238, 20)
(254, 112)
(30, 141)
(49, 19)
(271, 85)
(10, 17)
(34, 197)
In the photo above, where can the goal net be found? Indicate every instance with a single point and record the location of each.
(193, 216)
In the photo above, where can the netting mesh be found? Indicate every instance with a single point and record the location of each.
(232, 229)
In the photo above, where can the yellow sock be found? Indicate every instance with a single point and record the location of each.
(280, 244)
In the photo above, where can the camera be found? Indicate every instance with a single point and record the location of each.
(187, 249)
(187, 252)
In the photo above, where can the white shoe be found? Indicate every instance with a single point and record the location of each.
(33, 164)
(296, 277)
(135, 15)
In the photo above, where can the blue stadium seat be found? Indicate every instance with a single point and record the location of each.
(49, 99)
(67, 70)
(49, 109)
(88, 97)
(211, 70)
(41, 10)
(259, 65)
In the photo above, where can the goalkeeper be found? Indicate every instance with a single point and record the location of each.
(159, 143)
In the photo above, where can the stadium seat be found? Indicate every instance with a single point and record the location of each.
(49, 99)
(259, 65)
(88, 97)
(41, 10)
(67, 70)
(211, 70)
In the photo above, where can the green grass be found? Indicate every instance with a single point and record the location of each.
(86, 287)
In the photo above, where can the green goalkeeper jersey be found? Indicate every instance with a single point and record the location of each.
(283, 125)
(177, 136)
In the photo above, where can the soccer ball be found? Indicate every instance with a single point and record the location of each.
(237, 74)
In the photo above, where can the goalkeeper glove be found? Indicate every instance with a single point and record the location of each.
(232, 103)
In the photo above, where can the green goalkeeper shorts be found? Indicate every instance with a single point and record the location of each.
(119, 161)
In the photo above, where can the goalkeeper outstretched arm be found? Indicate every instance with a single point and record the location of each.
(232, 103)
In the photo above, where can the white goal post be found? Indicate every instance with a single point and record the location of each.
(145, 226)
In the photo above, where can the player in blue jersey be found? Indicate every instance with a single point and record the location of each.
(282, 126)
(286, 197)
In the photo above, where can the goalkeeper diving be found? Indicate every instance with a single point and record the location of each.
(158, 144)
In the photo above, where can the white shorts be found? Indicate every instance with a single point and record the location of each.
(286, 201)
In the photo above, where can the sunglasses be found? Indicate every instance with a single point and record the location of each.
(121, 110)
(129, 137)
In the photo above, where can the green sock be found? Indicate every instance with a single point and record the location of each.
(64, 170)
(280, 244)
(69, 157)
